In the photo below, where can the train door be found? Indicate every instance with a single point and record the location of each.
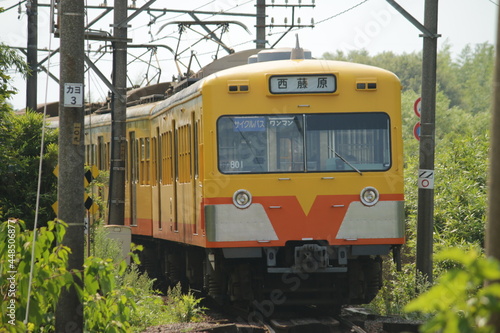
(134, 177)
(175, 177)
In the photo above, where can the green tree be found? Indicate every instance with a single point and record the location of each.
(476, 77)
(19, 168)
(20, 138)
(9, 59)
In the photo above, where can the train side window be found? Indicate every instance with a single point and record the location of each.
(93, 157)
(134, 150)
(141, 161)
(184, 154)
(195, 151)
(159, 153)
(167, 163)
(127, 176)
(154, 166)
(108, 156)
(144, 157)
(101, 153)
(87, 154)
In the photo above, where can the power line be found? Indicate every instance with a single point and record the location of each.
(342, 12)
(326, 19)
(14, 6)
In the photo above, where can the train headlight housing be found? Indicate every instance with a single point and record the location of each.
(369, 196)
(242, 199)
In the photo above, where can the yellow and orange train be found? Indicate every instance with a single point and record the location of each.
(274, 176)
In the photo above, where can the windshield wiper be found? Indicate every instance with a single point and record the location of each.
(346, 161)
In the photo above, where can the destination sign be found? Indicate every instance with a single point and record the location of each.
(302, 84)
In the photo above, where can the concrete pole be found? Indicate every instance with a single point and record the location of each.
(69, 312)
(260, 43)
(119, 108)
(425, 219)
(32, 58)
(493, 223)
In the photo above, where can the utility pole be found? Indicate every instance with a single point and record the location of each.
(425, 219)
(425, 216)
(32, 58)
(118, 109)
(69, 311)
(493, 223)
(260, 43)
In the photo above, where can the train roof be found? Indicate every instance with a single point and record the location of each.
(303, 66)
(234, 67)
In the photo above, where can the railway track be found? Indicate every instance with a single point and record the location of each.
(296, 320)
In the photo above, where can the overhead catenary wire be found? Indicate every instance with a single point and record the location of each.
(324, 20)
(231, 8)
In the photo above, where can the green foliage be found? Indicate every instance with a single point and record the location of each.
(106, 307)
(149, 308)
(460, 302)
(461, 199)
(465, 80)
(408, 67)
(116, 297)
(50, 275)
(19, 164)
(96, 190)
(20, 136)
(9, 59)
(185, 308)
(476, 68)
(398, 290)
(103, 246)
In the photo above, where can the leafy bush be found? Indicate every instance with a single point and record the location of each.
(116, 298)
(460, 302)
(398, 290)
(50, 275)
(184, 308)
(148, 309)
(106, 307)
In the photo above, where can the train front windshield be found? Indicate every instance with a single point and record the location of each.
(340, 142)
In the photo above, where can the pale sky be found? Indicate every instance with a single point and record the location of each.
(339, 25)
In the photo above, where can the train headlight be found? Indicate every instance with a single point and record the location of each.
(369, 196)
(242, 198)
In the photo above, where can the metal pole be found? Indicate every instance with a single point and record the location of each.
(425, 221)
(69, 311)
(119, 108)
(32, 58)
(260, 43)
(493, 223)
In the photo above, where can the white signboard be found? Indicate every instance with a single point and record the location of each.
(73, 95)
(302, 84)
(426, 179)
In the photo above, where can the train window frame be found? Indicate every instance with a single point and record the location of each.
(153, 161)
(101, 153)
(372, 157)
(144, 160)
